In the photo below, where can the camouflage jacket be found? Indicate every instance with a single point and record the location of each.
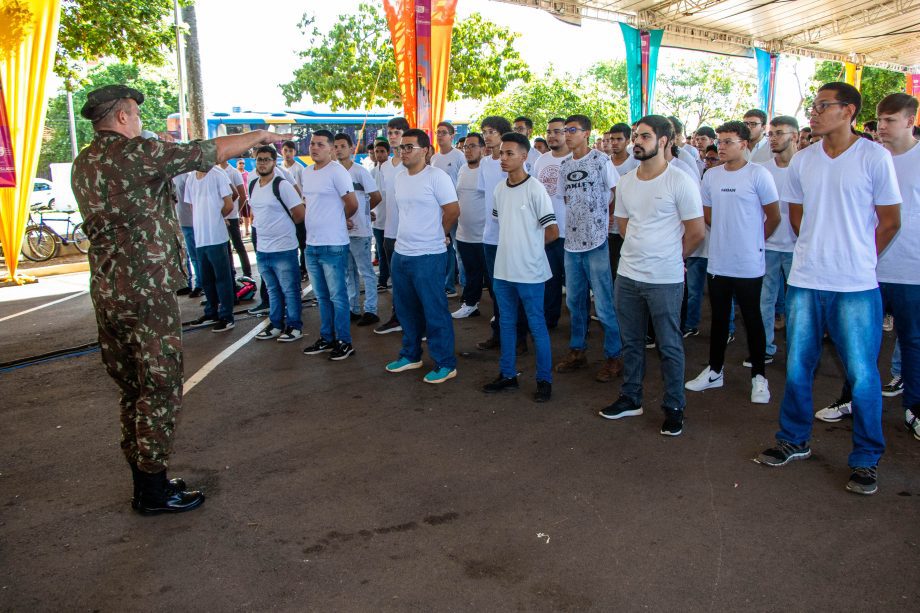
(124, 190)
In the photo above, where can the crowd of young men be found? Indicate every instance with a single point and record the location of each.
(633, 226)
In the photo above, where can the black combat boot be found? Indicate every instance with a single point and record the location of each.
(177, 484)
(157, 495)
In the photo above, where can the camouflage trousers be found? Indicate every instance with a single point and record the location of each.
(141, 344)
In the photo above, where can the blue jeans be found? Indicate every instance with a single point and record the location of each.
(491, 252)
(361, 265)
(530, 295)
(854, 322)
(779, 263)
(280, 271)
(382, 264)
(326, 265)
(191, 263)
(216, 281)
(592, 267)
(696, 281)
(896, 359)
(903, 302)
(418, 291)
(450, 281)
(636, 302)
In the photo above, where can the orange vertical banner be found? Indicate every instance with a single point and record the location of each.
(442, 26)
(401, 21)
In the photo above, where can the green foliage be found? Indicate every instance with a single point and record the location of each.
(352, 66)
(552, 95)
(159, 101)
(134, 31)
(705, 92)
(876, 84)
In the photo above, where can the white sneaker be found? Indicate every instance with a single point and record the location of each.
(465, 310)
(706, 380)
(912, 423)
(834, 412)
(268, 332)
(760, 390)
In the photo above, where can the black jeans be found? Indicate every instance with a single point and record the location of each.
(474, 265)
(383, 265)
(389, 247)
(552, 290)
(747, 294)
(615, 241)
(301, 230)
(233, 228)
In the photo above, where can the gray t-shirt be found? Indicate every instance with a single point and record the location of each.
(183, 208)
(587, 182)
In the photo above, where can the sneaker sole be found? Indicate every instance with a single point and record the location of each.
(892, 394)
(632, 413)
(290, 339)
(861, 490)
(202, 325)
(399, 329)
(709, 386)
(227, 329)
(409, 366)
(831, 420)
(449, 375)
(266, 338)
(773, 463)
(666, 433)
(257, 312)
(473, 314)
(339, 358)
(317, 352)
(760, 400)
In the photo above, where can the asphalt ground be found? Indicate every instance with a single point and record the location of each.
(335, 486)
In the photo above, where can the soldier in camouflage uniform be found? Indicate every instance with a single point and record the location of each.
(123, 186)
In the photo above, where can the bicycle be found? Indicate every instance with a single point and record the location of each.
(42, 242)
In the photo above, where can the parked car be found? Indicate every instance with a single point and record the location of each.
(42, 195)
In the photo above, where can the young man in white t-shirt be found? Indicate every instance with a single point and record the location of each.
(388, 171)
(330, 198)
(783, 141)
(844, 205)
(427, 204)
(276, 248)
(660, 217)
(758, 149)
(524, 125)
(381, 154)
(740, 205)
(618, 137)
(233, 219)
(360, 233)
(291, 169)
(526, 223)
(450, 160)
(470, 226)
(210, 196)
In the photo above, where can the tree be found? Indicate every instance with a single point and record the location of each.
(876, 83)
(705, 92)
(554, 95)
(159, 101)
(352, 66)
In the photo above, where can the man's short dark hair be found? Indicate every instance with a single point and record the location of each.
(497, 123)
(462, 139)
(846, 93)
(421, 136)
(916, 131)
(527, 121)
(269, 150)
(712, 148)
(345, 137)
(758, 114)
(382, 143)
(806, 129)
(329, 136)
(706, 131)
(556, 120)
(785, 120)
(892, 104)
(289, 144)
(621, 128)
(660, 125)
(520, 139)
(540, 139)
(581, 120)
(448, 125)
(872, 124)
(477, 137)
(678, 124)
(398, 123)
(735, 127)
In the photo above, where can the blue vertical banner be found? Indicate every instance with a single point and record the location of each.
(767, 64)
(641, 68)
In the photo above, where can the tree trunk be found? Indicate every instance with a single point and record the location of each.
(197, 128)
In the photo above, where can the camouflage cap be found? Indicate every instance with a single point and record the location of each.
(100, 102)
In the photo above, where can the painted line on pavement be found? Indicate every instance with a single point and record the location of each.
(42, 306)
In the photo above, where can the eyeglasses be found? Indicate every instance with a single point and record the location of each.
(556, 132)
(819, 107)
(519, 129)
(470, 147)
(727, 141)
(753, 124)
(778, 134)
(710, 160)
(573, 130)
(409, 148)
(264, 160)
(442, 133)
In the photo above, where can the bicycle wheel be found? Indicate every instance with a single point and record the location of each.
(39, 244)
(79, 238)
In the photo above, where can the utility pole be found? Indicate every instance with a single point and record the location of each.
(180, 65)
(73, 124)
(193, 66)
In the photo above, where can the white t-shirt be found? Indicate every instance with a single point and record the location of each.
(653, 247)
(532, 156)
(206, 196)
(682, 165)
(389, 173)
(472, 206)
(548, 170)
(737, 198)
(380, 211)
(363, 184)
(237, 180)
(523, 211)
(684, 156)
(450, 162)
(490, 175)
(587, 182)
(783, 239)
(276, 228)
(900, 262)
(761, 153)
(322, 191)
(419, 198)
(836, 247)
(627, 165)
(183, 208)
(291, 173)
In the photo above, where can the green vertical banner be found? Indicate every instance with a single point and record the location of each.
(641, 68)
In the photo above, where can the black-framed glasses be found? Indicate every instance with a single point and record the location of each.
(573, 130)
(519, 129)
(819, 107)
(409, 148)
(753, 124)
(471, 146)
(727, 141)
(264, 160)
(442, 133)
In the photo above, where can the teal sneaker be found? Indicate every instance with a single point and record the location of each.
(403, 364)
(440, 375)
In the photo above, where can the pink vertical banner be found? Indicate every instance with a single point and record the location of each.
(774, 61)
(423, 65)
(7, 166)
(644, 50)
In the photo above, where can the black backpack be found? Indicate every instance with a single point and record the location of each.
(276, 190)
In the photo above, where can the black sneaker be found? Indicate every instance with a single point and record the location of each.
(390, 326)
(382, 287)
(451, 293)
(501, 384)
(341, 351)
(864, 480)
(691, 332)
(354, 316)
(202, 321)
(623, 407)
(196, 293)
(290, 335)
(259, 309)
(320, 346)
(184, 291)
(894, 388)
(731, 339)
(222, 326)
(649, 342)
(783, 453)
(368, 319)
(544, 391)
(673, 422)
(767, 359)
